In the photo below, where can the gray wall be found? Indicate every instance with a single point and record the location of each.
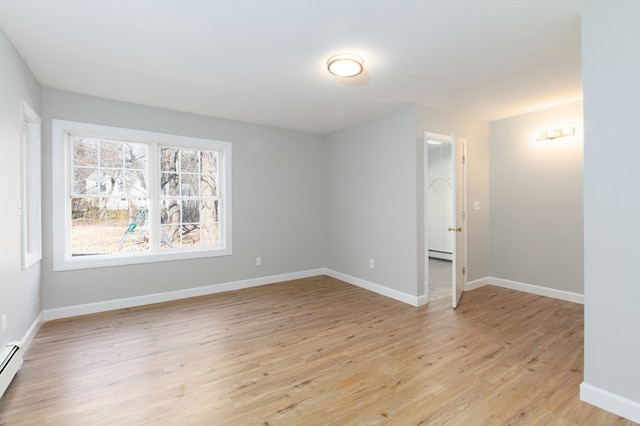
(611, 80)
(536, 200)
(19, 290)
(375, 196)
(476, 132)
(278, 203)
(371, 205)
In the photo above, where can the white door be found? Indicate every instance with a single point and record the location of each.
(458, 227)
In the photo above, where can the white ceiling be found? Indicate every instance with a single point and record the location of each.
(264, 61)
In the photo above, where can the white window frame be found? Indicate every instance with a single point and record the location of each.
(62, 259)
(30, 187)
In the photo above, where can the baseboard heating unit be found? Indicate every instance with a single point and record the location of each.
(11, 359)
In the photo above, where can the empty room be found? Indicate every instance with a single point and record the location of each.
(319, 212)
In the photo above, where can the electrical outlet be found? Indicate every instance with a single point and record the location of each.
(372, 263)
(258, 261)
(4, 323)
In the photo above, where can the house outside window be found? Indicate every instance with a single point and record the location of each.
(125, 196)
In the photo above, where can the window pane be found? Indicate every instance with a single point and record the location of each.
(111, 154)
(169, 159)
(108, 182)
(113, 218)
(189, 185)
(209, 211)
(190, 161)
(189, 236)
(85, 152)
(170, 211)
(210, 234)
(190, 223)
(209, 162)
(108, 167)
(189, 197)
(27, 186)
(102, 226)
(190, 211)
(208, 186)
(82, 183)
(169, 184)
(171, 236)
(134, 183)
(166, 237)
(135, 156)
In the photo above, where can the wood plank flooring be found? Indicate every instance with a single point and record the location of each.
(315, 351)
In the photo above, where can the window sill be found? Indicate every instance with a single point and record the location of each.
(90, 262)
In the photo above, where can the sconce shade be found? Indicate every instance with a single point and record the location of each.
(556, 133)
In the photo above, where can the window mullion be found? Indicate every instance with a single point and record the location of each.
(68, 195)
(153, 188)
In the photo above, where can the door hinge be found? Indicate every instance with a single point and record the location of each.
(464, 215)
(464, 270)
(464, 159)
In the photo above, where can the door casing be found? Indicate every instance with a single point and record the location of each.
(460, 186)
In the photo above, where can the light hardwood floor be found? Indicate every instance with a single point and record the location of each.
(310, 352)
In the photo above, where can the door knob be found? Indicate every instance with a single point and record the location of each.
(455, 229)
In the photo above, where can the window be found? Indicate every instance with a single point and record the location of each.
(30, 188)
(125, 196)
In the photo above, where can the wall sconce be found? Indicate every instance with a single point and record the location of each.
(556, 133)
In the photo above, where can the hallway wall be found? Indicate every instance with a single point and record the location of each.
(536, 200)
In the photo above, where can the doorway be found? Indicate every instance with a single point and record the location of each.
(439, 188)
(445, 216)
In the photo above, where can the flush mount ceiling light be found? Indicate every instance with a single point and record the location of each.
(345, 65)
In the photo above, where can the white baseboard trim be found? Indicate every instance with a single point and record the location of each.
(534, 289)
(472, 285)
(421, 300)
(377, 288)
(109, 305)
(610, 402)
(31, 333)
(129, 302)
